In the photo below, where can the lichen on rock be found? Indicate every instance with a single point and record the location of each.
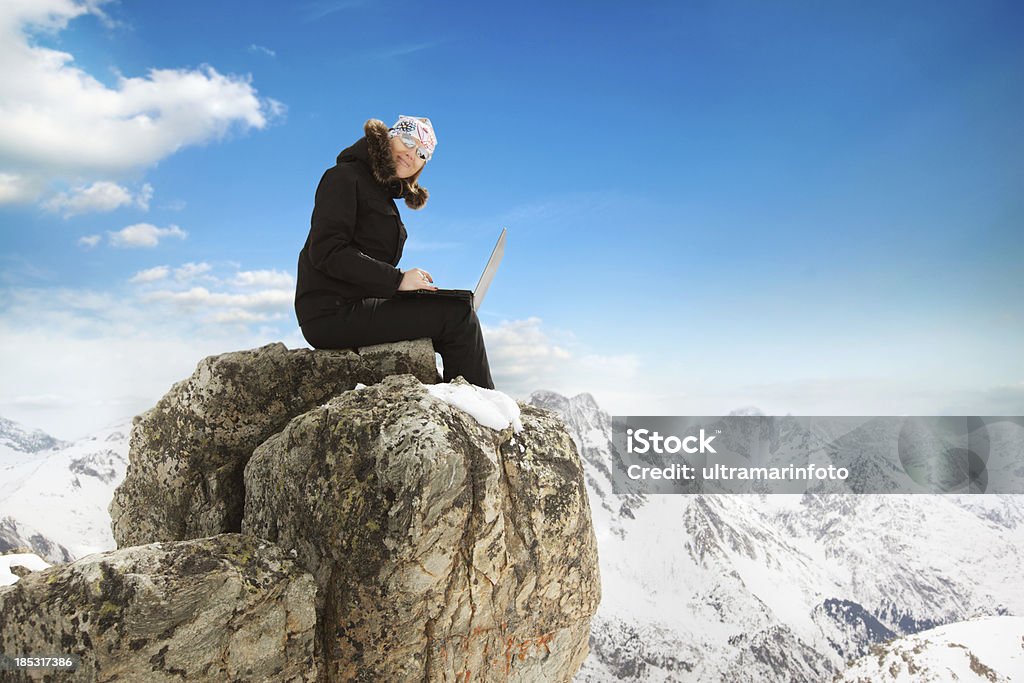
(440, 547)
(385, 533)
(224, 608)
(187, 453)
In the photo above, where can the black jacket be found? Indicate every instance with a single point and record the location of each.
(356, 233)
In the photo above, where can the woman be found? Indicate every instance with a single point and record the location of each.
(348, 270)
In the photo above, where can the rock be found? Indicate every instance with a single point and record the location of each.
(416, 357)
(224, 608)
(442, 550)
(20, 571)
(983, 649)
(437, 548)
(16, 537)
(187, 453)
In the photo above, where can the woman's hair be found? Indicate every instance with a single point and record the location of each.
(415, 194)
(383, 165)
(409, 184)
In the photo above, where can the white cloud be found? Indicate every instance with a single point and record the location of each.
(150, 274)
(89, 241)
(74, 360)
(143, 235)
(144, 196)
(201, 297)
(16, 188)
(523, 349)
(192, 271)
(171, 293)
(102, 195)
(263, 278)
(59, 122)
(259, 48)
(525, 355)
(111, 354)
(276, 110)
(240, 297)
(240, 316)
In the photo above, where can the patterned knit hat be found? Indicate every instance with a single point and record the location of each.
(415, 132)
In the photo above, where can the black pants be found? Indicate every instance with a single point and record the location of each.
(450, 323)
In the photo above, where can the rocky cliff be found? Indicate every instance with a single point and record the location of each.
(228, 608)
(395, 536)
(187, 453)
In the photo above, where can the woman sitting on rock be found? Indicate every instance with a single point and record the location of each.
(348, 272)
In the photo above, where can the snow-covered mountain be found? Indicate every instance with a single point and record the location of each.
(695, 587)
(14, 438)
(983, 650)
(54, 494)
(780, 587)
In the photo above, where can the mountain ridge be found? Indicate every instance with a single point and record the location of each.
(696, 587)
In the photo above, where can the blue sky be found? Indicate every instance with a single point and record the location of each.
(812, 208)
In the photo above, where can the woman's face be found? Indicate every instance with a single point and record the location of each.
(406, 161)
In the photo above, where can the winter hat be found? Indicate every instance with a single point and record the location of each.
(417, 130)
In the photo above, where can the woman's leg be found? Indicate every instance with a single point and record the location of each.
(451, 324)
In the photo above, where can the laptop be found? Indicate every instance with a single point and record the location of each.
(476, 296)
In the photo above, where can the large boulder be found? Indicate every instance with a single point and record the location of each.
(443, 550)
(225, 608)
(187, 453)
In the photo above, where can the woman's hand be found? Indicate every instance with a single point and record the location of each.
(416, 278)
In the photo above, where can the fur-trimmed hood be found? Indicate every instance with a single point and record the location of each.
(374, 149)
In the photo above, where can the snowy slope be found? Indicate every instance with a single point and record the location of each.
(983, 650)
(695, 588)
(17, 439)
(764, 588)
(19, 449)
(54, 501)
(28, 561)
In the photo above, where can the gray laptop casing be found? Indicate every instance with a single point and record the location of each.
(477, 295)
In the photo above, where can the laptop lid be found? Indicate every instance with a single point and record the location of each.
(489, 270)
